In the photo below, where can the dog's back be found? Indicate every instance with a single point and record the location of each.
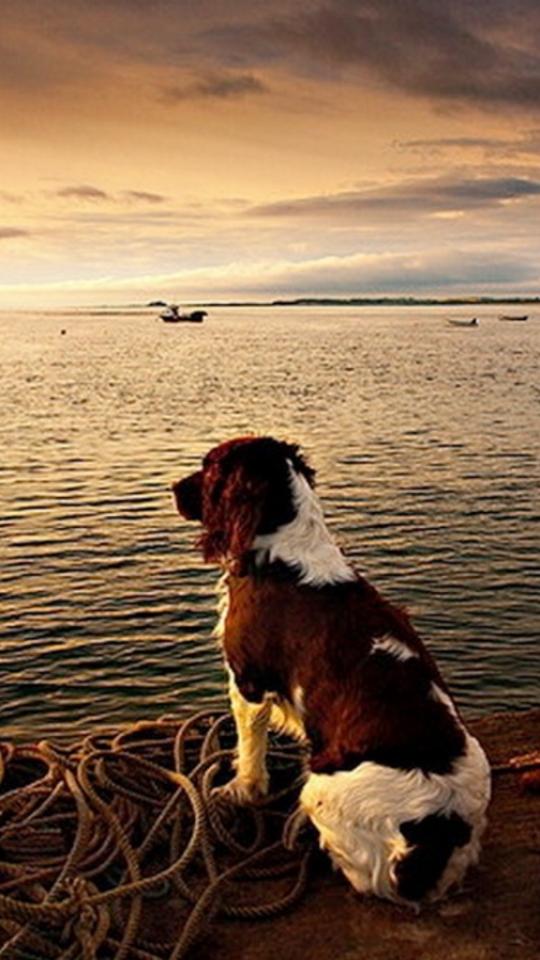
(367, 686)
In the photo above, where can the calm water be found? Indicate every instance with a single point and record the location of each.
(426, 438)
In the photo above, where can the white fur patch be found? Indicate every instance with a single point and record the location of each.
(437, 694)
(358, 814)
(251, 720)
(298, 699)
(396, 648)
(287, 717)
(223, 604)
(306, 542)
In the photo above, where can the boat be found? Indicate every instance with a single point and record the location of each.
(461, 322)
(509, 316)
(173, 315)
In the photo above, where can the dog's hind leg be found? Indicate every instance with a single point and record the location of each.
(251, 781)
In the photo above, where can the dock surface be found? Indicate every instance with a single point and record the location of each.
(95, 860)
(495, 917)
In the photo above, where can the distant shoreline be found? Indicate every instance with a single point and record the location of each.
(292, 302)
(379, 302)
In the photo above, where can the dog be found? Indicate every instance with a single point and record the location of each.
(396, 786)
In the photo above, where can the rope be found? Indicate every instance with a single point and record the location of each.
(526, 766)
(118, 847)
(524, 763)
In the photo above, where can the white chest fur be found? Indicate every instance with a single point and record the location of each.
(305, 544)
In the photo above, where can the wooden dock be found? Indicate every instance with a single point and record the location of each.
(495, 917)
(98, 859)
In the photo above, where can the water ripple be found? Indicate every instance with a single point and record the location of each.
(427, 452)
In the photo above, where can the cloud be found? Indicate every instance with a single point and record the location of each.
(10, 197)
(11, 233)
(483, 53)
(84, 192)
(144, 197)
(398, 273)
(216, 87)
(418, 196)
(473, 270)
(87, 192)
(528, 143)
(450, 50)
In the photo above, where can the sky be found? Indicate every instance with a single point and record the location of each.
(233, 150)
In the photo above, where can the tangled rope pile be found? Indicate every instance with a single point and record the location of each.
(119, 847)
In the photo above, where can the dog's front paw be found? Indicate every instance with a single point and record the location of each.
(242, 792)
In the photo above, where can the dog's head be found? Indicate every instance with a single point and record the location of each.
(243, 490)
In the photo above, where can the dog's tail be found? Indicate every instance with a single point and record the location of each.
(431, 843)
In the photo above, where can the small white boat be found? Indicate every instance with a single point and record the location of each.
(461, 322)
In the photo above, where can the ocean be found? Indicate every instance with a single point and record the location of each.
(426, 441)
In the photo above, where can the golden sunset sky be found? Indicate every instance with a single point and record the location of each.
(234, 149)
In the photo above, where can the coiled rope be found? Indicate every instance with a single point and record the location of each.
(119, 848)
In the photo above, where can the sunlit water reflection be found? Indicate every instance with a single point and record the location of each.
(425, 438)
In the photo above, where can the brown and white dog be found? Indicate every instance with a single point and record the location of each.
(397, 787)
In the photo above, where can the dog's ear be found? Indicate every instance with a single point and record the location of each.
(233, 509)
(245, 497)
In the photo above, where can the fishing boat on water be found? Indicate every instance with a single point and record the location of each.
(173, 315)
(509, 316)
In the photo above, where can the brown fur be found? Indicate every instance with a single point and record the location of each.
(280, 635)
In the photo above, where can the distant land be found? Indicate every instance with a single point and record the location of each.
(329, 302)
(378, 302)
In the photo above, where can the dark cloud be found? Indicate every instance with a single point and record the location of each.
(10, 233)
(528, 143)
(444, 50)
(486, 52)
(215, 87)
(144, 197)
(83, 192)
(87, 192)
(418, 196)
